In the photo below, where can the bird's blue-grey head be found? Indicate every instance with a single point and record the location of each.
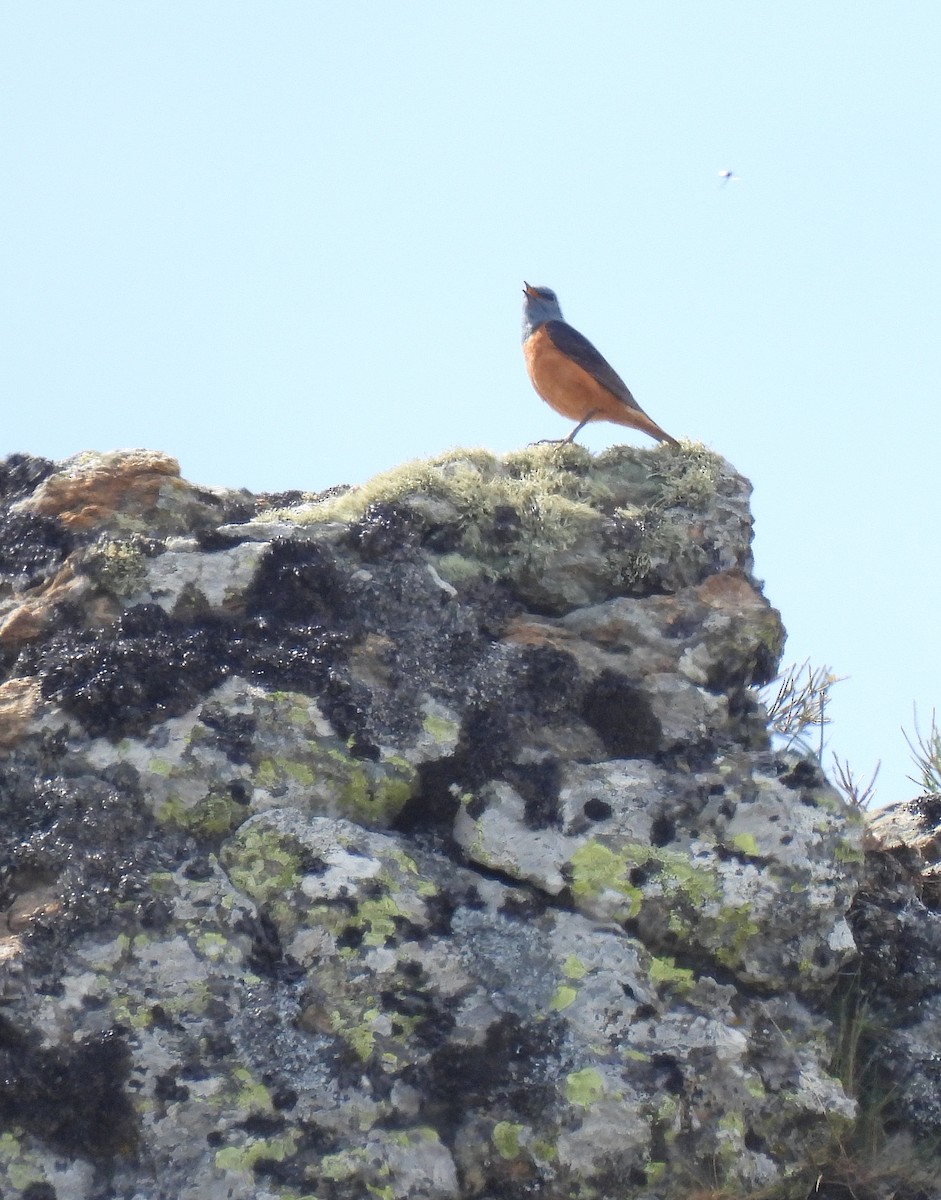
(541, 305)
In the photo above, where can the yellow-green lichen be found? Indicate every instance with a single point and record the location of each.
(373, 798)
(300, 772)
(654, 1171)
(667, 1109)
(543, 1150)
(377, 918)
(574, 968)
(330, 780)
(738, 928)
(214, 947)
(215, 815)
(506, 1139)
(161, 766)
(597, 869)
(244, 1157)
(263, 862)
(440, 728)
(119, 567)
(732, 1122)
(19, 1167)
(745, 843)
(359, 1032)
(584, 1088)
(848, 854)
(665, 971)
(562, 997)
(754, 1086)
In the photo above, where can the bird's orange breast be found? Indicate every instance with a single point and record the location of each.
(565, 386)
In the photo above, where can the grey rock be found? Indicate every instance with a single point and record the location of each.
(416, 840)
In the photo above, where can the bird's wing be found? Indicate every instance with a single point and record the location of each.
(580, 350)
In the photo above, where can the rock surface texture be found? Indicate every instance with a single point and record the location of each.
(415, 840)
(896, 919)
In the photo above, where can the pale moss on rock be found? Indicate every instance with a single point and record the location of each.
(560, 501)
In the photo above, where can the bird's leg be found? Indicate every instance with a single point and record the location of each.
(567, 441)
(579, 427)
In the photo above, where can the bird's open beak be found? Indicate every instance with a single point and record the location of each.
(527, 290)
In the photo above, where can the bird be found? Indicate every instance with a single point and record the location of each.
(727, 174)
(571, 376)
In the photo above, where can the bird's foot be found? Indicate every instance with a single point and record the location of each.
(569, 441)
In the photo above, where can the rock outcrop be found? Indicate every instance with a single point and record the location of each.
(896, 920)
(416, 840)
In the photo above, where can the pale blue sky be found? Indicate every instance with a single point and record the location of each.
(284, 241)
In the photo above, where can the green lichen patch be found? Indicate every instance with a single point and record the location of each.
(506, 1139)
(641, 874)
(265, 863)
(665, 973)
(118, 566)
(214, 816)
(584, 1088)
(597, 870)
(563, 997)
(320, 773)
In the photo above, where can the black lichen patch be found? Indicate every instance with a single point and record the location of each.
(487, 742)
(31, 548)
(539, 784)
(21, 474)
(506, 527)
(385, 532)
(267, 957)
(804, 775)
(124, 679)
(71, 1097)
(622, 717)
(38, 1191)
(751, 665)
(662, 831)
(234, 731)
(928, 810)
(547, 681)
(89, 842)
(300, 583)
(213, 540)
(596, 809)
(149, 666)
(433, 804)
(512, 1072)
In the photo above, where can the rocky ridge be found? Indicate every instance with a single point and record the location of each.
(420, 839)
